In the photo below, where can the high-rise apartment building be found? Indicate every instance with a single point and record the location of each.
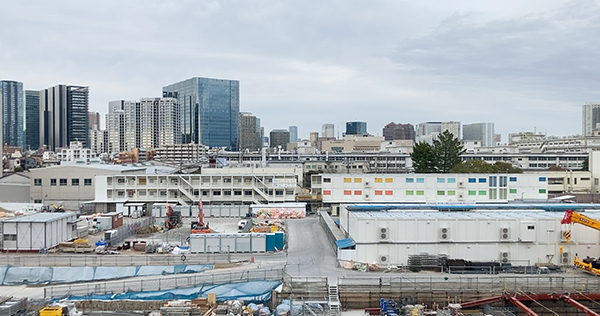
(115, 131)
(250, 137)
(452, 127)
(98, 141)
(279, 137)
(209, 110)
(117, 105)
(93, 120)
(591, 118)
(32, 119)
(394, 131)
(482, 132)
(63, 116)
(133, 125)
(327, 130)
(169, 122)
(13, 118)
(356, 128)
(293, 133)
(151, 123)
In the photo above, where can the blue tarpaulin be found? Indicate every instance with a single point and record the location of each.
(345, 243)
(59, 275)
(253, 291)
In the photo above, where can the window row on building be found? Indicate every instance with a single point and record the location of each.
(63, 182)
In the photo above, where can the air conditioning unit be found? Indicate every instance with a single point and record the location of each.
(504, 257)
(384, 259)
(504, 233)
(565, 258)
(444, 234)
(384, 233)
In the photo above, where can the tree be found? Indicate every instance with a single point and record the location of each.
(473, 166)
(424, 158)
(585, 165)
(480, 166)
(505, 167)
(448, 150)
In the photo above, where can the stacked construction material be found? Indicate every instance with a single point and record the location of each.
(426, 261)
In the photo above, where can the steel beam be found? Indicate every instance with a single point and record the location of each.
(579, 306)
(481, 301)
(520, 305)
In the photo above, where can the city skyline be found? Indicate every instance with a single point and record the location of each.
(377, 62)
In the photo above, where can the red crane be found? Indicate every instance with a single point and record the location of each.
(200, 227)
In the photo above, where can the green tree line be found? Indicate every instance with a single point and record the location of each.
(443, 156)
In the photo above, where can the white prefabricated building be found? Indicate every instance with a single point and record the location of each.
(38, 231)
(521, 237)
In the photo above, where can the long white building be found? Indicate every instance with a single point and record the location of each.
(517, 237)
(428, 188)
(213, 186)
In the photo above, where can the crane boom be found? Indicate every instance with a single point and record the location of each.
(589, 265)
(572, 217)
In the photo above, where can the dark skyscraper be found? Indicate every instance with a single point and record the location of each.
(356, 128)
(279, 137)
(209, 110)
(11, 103)
(399, 131)
(64, 116)
(32, 119)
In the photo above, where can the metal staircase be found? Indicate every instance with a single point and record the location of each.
(334, 298)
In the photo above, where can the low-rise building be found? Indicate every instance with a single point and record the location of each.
(390, 236)
(37, 232)
(71, 184)
(15, 187)
(213, 186)
(428, 188)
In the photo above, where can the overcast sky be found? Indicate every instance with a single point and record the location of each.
(523, 65)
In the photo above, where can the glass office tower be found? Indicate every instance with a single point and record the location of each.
(32, 119)
(209, 110)
(11, 103)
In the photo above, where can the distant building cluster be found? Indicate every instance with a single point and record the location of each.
(198, 117)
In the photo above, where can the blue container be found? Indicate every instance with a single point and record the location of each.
(279, 240)
(270, 242)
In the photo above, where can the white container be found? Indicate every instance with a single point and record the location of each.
(259, 242)
(213, 242)
(197, 243)
(242, 243)
(228, 243)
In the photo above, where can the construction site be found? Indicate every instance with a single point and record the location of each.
(317, 271)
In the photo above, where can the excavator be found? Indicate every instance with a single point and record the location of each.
(199, 227)
(173, 218)
(590, 265)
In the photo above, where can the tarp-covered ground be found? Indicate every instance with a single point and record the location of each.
(253, 291)
(61, 275)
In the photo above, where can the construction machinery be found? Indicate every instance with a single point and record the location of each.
(591, 265)
(174, 218)
(199, 227)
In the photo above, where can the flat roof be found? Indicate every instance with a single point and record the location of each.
(552, 207)
(98, 166)
(478, 215)
(41, 217)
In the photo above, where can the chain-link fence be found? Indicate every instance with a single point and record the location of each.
(161, 283)
(129, 230)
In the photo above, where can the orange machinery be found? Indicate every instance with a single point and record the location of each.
(199, 227)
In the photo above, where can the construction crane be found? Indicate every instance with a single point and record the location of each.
(591, 265)
(199, 227)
